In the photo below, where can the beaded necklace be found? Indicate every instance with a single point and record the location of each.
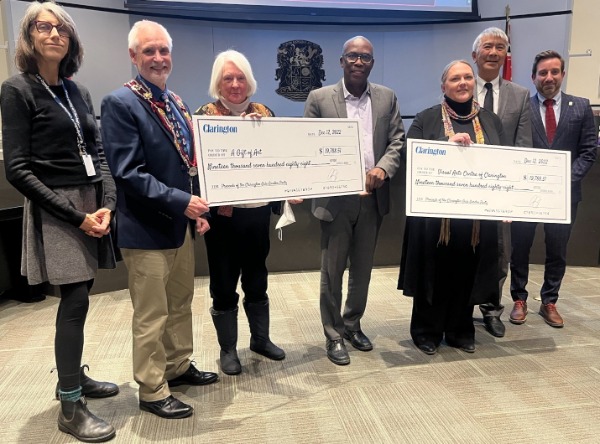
(158, 107)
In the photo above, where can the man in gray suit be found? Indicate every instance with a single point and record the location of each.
(350, 224)
(560, 122)
(511, 103)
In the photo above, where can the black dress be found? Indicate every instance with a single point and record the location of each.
(446, 281)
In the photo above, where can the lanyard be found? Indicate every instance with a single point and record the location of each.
(72, 114)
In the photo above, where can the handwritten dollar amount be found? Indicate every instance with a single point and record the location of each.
(329, 151)
(535, 178)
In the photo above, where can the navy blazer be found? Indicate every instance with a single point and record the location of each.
(153, 186)
(576, 132)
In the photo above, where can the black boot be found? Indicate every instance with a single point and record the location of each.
(75, 418)
(258, 318)
(227, 334)
(91, 388)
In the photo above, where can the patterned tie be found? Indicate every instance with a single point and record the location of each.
(488, 102)
(177, 129)
(550, 120)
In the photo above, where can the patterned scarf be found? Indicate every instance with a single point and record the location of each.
(448, 114)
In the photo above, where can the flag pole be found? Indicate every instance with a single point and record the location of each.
(507, 69)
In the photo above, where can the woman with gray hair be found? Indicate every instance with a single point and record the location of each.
(238, 240)
(449, 265)
(53, 155)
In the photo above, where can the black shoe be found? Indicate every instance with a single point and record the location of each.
(494, 326)
(193, 376)
(170, 408)
(426, 346)
(91, 388)
(75, 419)
(465, 345)
(358, 340)
(336, 352)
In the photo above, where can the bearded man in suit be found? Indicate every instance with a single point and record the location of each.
(148, 139)
(350, 224)
(510, 102)
(560, 122)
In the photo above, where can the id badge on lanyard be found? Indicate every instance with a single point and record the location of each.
(89, 165)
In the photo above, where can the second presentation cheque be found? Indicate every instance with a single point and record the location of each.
(444, 179)
(243, 160)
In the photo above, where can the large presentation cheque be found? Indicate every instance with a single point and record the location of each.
(487, 182)
(244, 160)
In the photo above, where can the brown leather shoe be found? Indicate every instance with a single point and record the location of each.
(551, 316)
(518, 315)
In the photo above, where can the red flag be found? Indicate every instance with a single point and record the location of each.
(507, 71)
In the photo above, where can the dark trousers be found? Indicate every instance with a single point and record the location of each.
(556, 237)
(449, 312)
(347, 241)
(238, 245)
(496, 308)
(68, 341)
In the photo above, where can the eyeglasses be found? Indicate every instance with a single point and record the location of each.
(46, 28)
(353, 57)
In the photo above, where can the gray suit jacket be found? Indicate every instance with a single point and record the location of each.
(576, 132)
(513, 110)
(388, 138)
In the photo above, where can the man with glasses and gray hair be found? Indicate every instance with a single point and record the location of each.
(350, 224)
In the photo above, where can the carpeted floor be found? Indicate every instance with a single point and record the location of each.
(538, 384)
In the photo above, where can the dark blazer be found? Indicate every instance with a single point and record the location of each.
(428, 125)
(388, 138)
(153, 186)
(576, 132)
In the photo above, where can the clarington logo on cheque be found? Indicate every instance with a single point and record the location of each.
(430, 151)
(225, 129)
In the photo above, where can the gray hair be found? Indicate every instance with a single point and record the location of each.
(450, 65)
(489, 32)
(25, 56)
(239, 60)
(351, 40)
(133, 39)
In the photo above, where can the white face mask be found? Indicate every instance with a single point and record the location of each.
(287, 218)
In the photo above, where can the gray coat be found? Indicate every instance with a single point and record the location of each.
(388, 138)
(513, 110)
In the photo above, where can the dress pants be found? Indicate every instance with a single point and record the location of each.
(161, 284)
(504, 250)
(350, 237)
(556, 238)
(234, 245)
(449, 312)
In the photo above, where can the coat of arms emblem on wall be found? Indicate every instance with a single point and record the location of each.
(300, 69)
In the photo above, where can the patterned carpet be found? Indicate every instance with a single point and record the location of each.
(536, 385)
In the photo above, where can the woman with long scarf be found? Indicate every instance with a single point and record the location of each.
(450, 265)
